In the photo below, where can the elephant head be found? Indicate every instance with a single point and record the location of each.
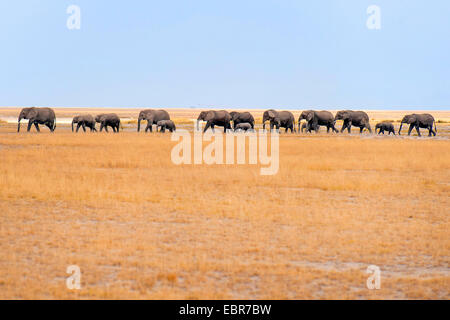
(409, 119)
(143, 115)
(203, 116)
(26, 113)
(234, 115)
(272, 116)
(304, 116)
(75, 120)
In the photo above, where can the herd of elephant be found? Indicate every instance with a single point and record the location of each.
(242, 121)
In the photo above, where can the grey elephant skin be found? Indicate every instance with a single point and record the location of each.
(164, 125)
(108, 120)
(152, 117)
(245, 126)
(315, 119)
(279, 119)
(215, 118)
(242, 117)
(351, 118)
(425, 121)
(37, 116)
(381, 127)
(83, 121)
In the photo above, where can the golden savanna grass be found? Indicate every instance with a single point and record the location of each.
(141, 227)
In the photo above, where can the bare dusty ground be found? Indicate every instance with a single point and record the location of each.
(140, 227)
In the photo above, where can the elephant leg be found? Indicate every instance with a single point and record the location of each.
(29, 126)
(328, 128)
(78, 127)
(361, 129)
(101, 127)
(418, 131)
(344, 126)
(106, 128)
(84, 127)
(411, 127)
(208, 124)
(37, 127)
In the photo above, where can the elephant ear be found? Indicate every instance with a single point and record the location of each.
(32, 113)
(411, 119)
(310, 116)
(209, 116)
(271, 114)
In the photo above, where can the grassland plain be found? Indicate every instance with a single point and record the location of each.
(141, 227)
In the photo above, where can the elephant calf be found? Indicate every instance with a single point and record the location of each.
(111, 119)
(244, 127)
(385, 126)
(84, 121)
(166, 124)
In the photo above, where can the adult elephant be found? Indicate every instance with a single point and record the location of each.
(315, 119)
(417, 121)
(152, 117)
(38, 116)
(85, 120)
(215, 118)
(108, 120)
(351, 118)
(279, 119)
(242, 117)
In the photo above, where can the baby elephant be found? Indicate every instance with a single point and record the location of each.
(385, 126)
(245, 126)
(166, 124)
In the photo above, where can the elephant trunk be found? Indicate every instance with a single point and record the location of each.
(18, 124)
(400, 130)
(139, 124)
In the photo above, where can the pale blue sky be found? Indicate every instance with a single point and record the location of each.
(248, 54)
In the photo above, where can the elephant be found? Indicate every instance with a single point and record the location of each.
(215, 118)
(244, 126)
(419, 121)
(242, 117)
(351, 118)
(316, 119)
(38, 116)
(385, 126)
(84, 121)
(283, 119)
(166, 124)
(152, 117)
(110, 119)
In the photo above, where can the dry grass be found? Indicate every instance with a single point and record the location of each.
(141, 227)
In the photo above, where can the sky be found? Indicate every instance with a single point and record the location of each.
(226, 54)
